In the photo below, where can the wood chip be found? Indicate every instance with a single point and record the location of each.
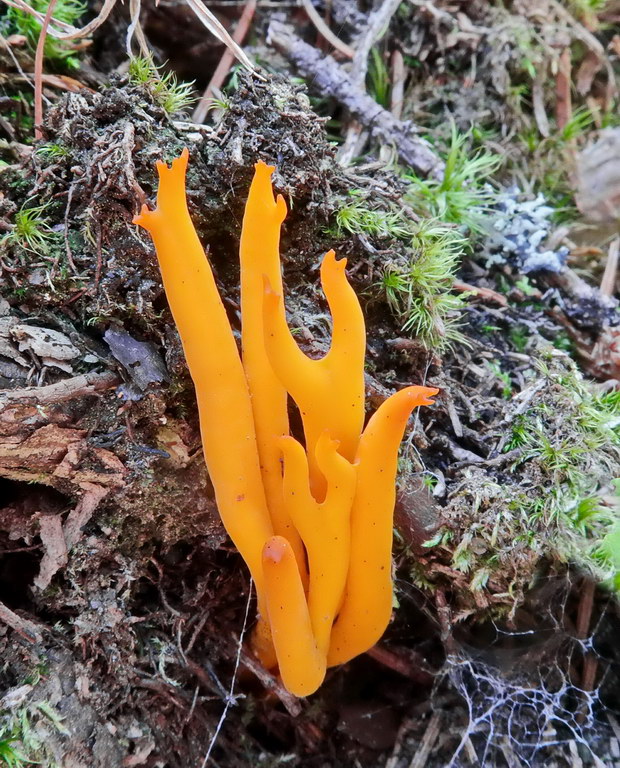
(54, 549)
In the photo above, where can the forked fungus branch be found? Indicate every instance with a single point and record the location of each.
(313, 523)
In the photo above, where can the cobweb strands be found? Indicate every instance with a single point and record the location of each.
(529, 712)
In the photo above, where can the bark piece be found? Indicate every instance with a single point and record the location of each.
(54, 549)
(52, 347)
(23, 627)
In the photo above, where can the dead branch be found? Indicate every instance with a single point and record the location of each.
(327, 77)
(377, 25)
(79, 386)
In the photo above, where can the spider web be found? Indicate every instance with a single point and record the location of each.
(528, 707)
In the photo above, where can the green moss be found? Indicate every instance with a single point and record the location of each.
(419, 291)
(555, 502)
(462, 196)
(55, 51)
(164, 87)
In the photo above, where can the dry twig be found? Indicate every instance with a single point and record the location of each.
(377, 25)
(78, 386)
(397, 95)
(328, 77)
(38, 71)
(608, 283)
(225, 63)
(428, 741)
(25, 628)
(325, 31)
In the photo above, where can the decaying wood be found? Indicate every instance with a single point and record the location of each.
(59, 539)
(55, 554)
(56, 456)
(23, 627)
(78, 386)
(326, 76)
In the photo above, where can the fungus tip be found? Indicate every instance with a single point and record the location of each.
(177, 166)
(281, 209)
(419, 395)
(426, 394)
(275, 549)
(262, 167)
(270, 295)
(142, 219)
(331, 263)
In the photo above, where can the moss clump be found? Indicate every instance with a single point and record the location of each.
(554, 501)
(55, 51)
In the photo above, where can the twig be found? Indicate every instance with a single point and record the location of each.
(68, 251)
(135, 28)
(79, 386)
(27, 629)
(538, 102)
(413, 671)
(481, 293)
(226, 62)
(204, 15)
(38, 71)
(325, 31)
(377, 25)
(327, 77)
(397, 95)
(403, 729)
(608, 283)
(428, 741)
(216, 28)
(586, 37)
(353, 143)
(584, 617)
(563, 105)
(271, 683)
(444, 617)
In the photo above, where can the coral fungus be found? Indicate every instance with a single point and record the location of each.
(313, 523)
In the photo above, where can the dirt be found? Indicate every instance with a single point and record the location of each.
(127, 607)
